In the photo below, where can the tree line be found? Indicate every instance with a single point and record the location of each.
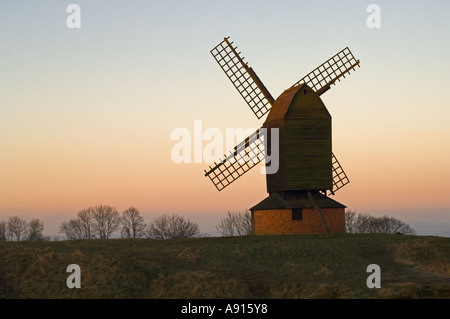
(18, 229)
(102, 221)
(366, 223)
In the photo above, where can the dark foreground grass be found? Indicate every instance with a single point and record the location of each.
(290, 266)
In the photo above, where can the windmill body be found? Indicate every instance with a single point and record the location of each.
(307, 168)
(304, 125)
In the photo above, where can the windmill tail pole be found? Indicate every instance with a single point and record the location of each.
(311, 198)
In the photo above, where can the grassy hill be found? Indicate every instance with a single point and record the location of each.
(278, 266)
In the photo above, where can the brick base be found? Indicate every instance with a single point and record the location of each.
(279, 221)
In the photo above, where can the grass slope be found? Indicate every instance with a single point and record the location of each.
(278, 266)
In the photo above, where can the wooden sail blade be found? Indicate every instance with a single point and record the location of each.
(326, 74)
(243, 78)
(340, 179)
(246, 155)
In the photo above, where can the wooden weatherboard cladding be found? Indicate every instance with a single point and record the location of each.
(305, 141)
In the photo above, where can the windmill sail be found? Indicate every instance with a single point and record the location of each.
(326, 74)
(243, 78)
(246, 155)
(340, 179)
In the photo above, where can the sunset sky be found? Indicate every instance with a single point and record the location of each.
(86, 115)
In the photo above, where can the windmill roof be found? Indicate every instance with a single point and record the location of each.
(300, 200)
(288, 103)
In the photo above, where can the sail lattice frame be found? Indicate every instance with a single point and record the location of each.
(246, 155)
(340, 179)
(326, 74)
(243, 78)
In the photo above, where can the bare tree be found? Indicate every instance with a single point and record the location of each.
(172, 227)
(106, 220)
(85, 221)
(80, 227)
(35, 229)
(235, 224)
(365, 223)
(350, 222)
(16, 228)
(391, 225)
(406, 229)
(72, 229)
(3, 231)
(133, 225)
(98, 221)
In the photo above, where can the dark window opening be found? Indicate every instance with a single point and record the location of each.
(297, 214)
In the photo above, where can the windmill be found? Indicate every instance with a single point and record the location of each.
(307, 168)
